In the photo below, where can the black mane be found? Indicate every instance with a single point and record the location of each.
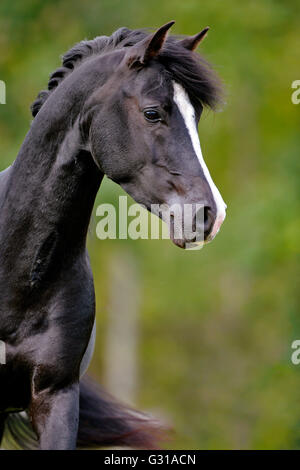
(186, 67)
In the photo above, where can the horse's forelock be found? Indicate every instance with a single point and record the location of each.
(194, 73)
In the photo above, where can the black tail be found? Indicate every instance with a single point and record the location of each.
(103, 422)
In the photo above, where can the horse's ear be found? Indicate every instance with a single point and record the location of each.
(191, 43)
(149, 47)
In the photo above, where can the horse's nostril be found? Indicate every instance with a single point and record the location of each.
(209, 220)
(204, 221)
(206, 214)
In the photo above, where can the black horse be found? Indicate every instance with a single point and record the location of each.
(126, 106)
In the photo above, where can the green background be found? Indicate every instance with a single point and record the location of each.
(216, 325)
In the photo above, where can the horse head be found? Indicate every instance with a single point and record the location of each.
(142, 125)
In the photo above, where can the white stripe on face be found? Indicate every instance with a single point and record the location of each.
(188, 113)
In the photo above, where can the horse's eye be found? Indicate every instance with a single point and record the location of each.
(152, 115)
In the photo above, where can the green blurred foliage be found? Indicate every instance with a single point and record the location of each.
(217, 325)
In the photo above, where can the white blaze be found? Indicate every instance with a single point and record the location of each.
(188, 113)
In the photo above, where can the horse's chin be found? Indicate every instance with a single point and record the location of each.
(179, 242)
(189, 244)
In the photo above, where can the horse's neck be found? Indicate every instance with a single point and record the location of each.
(4, 175)
(53, 182)
(50, 192)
